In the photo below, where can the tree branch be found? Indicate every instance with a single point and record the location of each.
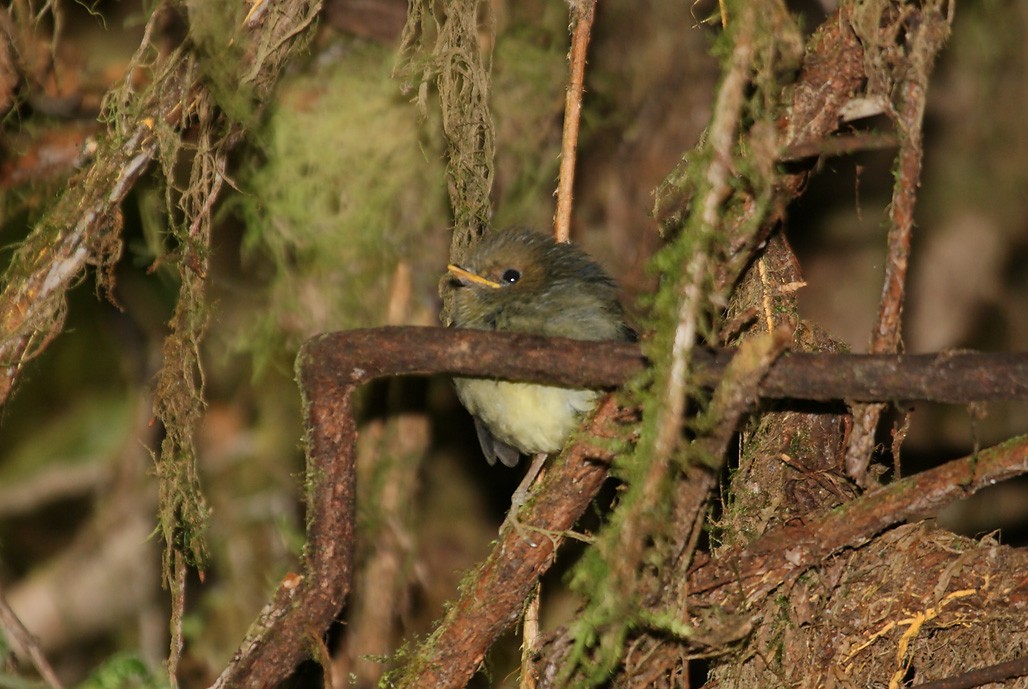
(582, 14)
(494, 598)
(932, 29)
(765, 563)
(23, 641)
(956, 378)
(330, 367)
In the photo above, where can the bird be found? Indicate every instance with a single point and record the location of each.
(519, 280)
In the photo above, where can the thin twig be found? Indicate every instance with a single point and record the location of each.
(887, 334)
(177, 584)
(324, 658)
(26, 643)
(844, 144)
(582, 14)
(724, 123)
(630, 537)
(529, 641)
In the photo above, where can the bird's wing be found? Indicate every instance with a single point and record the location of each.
(493, 448)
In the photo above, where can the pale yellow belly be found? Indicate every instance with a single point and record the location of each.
(532, 418)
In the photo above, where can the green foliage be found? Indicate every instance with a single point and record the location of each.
(123, 671)
(212, 29)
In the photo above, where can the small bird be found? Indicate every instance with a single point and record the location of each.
(518, 280)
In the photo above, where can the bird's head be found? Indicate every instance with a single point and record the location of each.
(519, 279)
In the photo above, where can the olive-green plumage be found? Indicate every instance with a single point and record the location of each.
(518, 280)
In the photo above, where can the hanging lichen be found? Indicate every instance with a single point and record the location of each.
(179, 390)
(448, 49)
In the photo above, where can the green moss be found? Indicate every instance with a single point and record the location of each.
(338, 198)
(123, 671)
(444, 46)
(527, 103)
(213, 29)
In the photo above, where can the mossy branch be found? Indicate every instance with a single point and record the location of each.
(83, 227)
(708, 248)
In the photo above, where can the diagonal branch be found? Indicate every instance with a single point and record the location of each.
(762, 565)
(26, 644)
(986, 675)
(83, 227)
(56, 254)
(494, 598)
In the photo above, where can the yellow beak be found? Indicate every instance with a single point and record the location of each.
(467, 276)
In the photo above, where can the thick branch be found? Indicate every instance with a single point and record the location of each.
(278, 641)
(494, 599)
(956, 378)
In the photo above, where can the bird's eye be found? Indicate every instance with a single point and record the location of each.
(511, 275)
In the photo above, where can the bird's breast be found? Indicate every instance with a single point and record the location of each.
(532, 418)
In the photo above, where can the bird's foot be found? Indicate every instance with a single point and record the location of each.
(521, 496)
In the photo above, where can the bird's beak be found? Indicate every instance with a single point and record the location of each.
(466, 277)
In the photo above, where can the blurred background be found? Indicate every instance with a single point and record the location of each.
(337, 218)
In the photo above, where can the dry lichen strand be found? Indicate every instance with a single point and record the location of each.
(462, 77)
